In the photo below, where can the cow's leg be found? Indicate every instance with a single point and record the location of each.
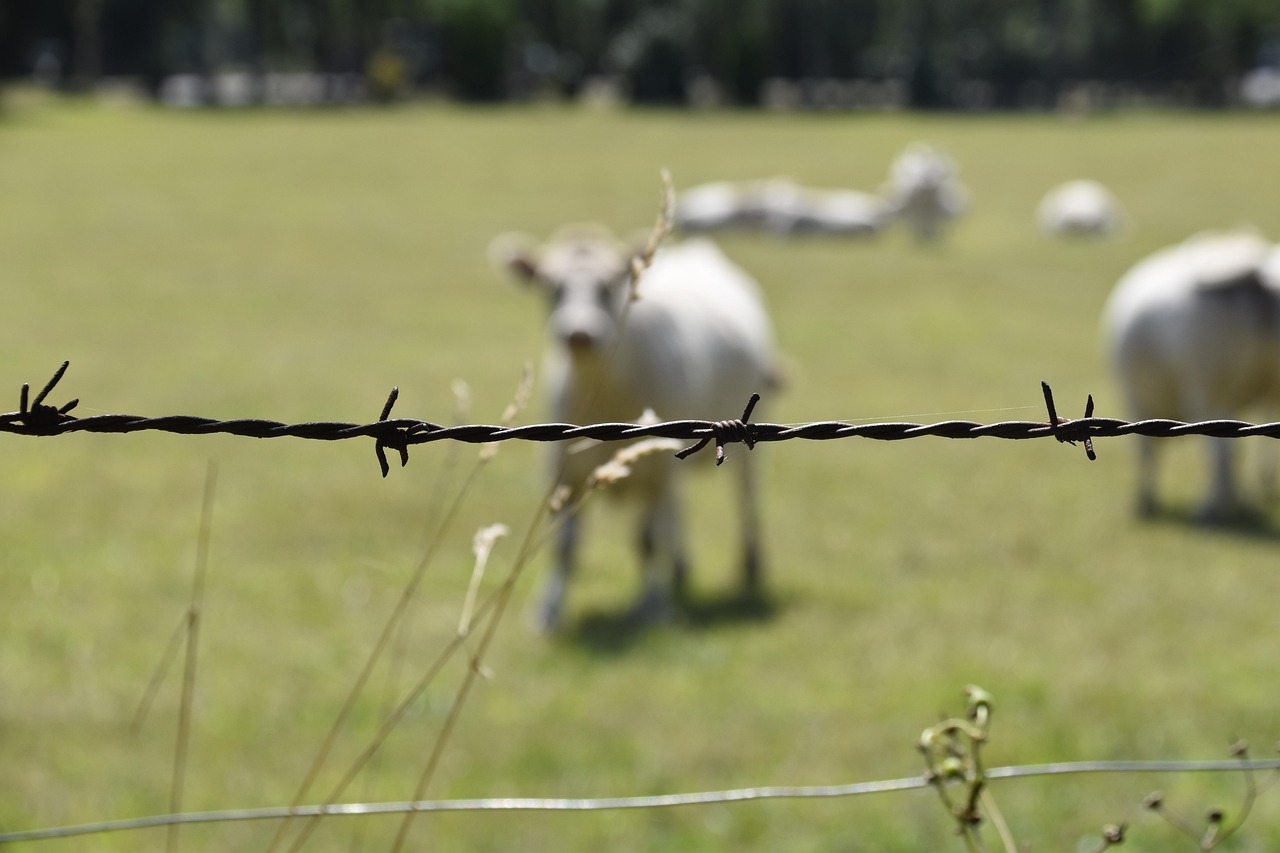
(749, 514)
(553, 594)
(1267, 467)
(650, 538)
(662, 557)
(1222, 500)
(1220, 503)
(1146, 503)
(1266, 464)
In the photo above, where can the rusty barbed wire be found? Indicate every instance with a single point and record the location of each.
(41, 419)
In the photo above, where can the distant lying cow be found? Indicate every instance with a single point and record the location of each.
(1079, 209)
(779, 206)
(714, 207)
(696, 344)
(788, 208)
(1194, 334)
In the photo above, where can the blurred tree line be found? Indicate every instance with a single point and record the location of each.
(1014, 51)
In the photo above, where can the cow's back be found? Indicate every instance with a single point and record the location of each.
(698, 342)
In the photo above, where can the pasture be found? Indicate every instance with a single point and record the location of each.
(296, 266)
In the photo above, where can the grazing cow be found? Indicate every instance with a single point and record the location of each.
(1194, 334)
(922, 190)
(695, 344)
(1079, 208)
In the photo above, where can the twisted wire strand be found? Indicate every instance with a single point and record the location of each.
(36, 418)
(410, 431)
(641, 802)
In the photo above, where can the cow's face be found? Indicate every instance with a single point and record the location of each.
(585, 280)
(921, 166)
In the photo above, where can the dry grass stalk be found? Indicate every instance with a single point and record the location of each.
(556, 502)
(482, 547)
(662, 229)
(523, 391)
(461, 400)
(193, 644)
(619, 466)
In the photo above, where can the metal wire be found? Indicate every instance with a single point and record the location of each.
(422, 432)
(645, 802)
(399, 434)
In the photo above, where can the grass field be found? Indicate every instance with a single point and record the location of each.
(296, 266)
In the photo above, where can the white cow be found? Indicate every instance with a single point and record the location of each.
(779, 206)
(923, 191)
(1079, 208)
(696, 344)
(1194, 333)
(711, 207)
(787, 208)
(847, 212)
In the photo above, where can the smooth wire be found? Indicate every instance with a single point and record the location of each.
(644, 802)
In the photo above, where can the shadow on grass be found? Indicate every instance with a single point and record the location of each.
(1244, 523)
(617, 631)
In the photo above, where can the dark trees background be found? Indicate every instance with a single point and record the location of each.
(946, 53)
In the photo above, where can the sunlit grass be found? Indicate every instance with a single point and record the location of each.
(297, 266)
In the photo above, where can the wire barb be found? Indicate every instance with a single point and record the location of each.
(38, 415)
(395, 438)
(726, 431)
(1056, 423)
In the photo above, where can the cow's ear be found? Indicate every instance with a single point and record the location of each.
(515, 256)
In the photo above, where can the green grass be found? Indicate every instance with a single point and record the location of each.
(295, 266)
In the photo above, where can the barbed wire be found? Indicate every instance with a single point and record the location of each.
(40, 419)
(641, 802)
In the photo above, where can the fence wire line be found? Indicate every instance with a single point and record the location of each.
(40, 419)
(642, 802)
(422, 432)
